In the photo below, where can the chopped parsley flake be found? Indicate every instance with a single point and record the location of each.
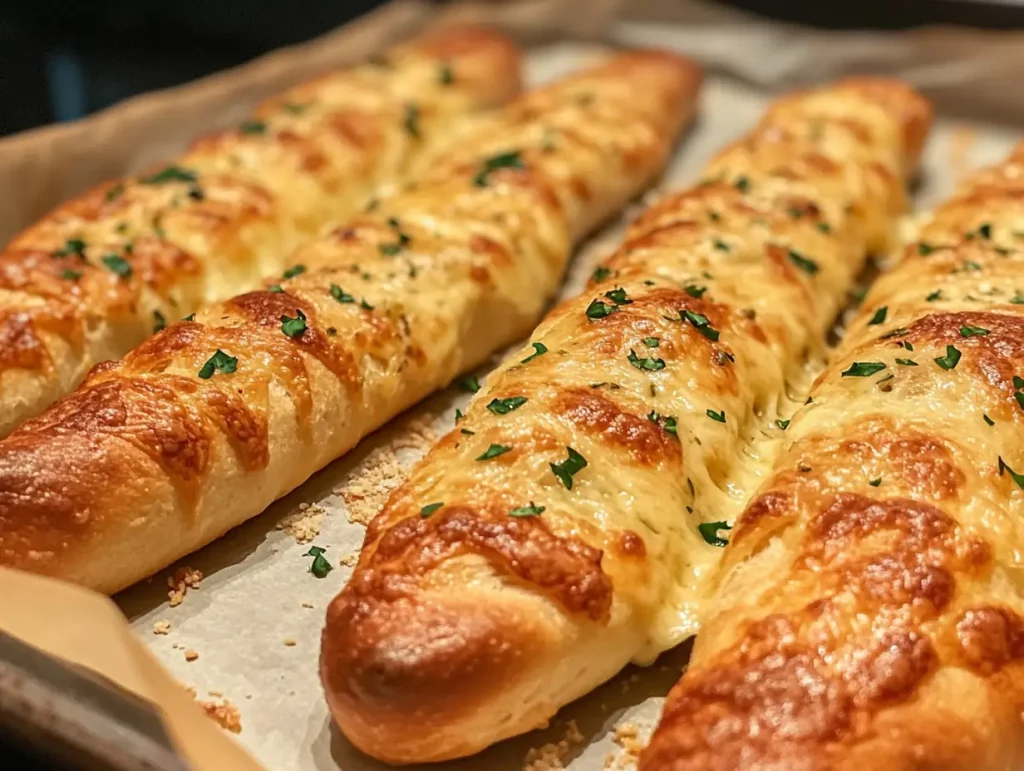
(115, 192)
(717, 416)
(600, 274)
(293, 108)
(569, 467)
(471, 384)
(985, 231)
(320, 567)
(294, 271)
(989, 420)
(170, 174)
(720, 245)
(527, 511)
(294, 327)
(864, 369)
(253, 127)
(879, 316)
(875, 482)
(73, 246)
(505, 406)
(696, 292)
(412, 120)
(494, 451)
(1018, 299)
(117, 264)
(782, 424)
(539, 349)
(652, 342)
(1019, 396)
(950, 360)
(219, 362)
(824, 227)
(667, 422)
(807, 265)
(906, 362)
(924, 249)
(936, 295)
(969, 331)
(430, 508)
(71, 275)
(599, 310)
(445, 74)
(341, 295)
(159, 321)
(618, 296)
(1018, 478)
(650, 364)
(276, 289)
(742, 184)
(709, 532)
(700, 323)
(509, 160)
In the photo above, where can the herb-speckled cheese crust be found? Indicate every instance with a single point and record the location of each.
(871, 612)
(206, 423)
(568, 538)
(104, 271)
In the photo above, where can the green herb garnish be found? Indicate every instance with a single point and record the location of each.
(936, 295)
(700, 323)
(505, 406)
(969, 331)
(599, 310)
(650, 364)
(807, 265)
(117, 264)
(906, 362)
(253, 127)
(569, 467)
(294, 327)
(159, 322)
(320, 567)
(412, 120)
(219, 362)
(509, 160)
(696, 292)
(471, 384)
(600, 274)
(430, 508)
(1018, 478)
(494, 451)
(879, 316)
(709, 532)
(527, 511)
(950, 360)
(71, 275)
(73, 246)
(539, 349)
(294, 271)
(716, 416)
(170, 174)
(863, 369)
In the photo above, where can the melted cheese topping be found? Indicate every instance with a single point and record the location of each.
(104, 271)
(667, 375)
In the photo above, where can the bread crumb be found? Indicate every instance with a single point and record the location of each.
(184, 578)
(217, 694)
(627, 736)
(552, 756)
(307, 605)
(289, 642)
(225, 713)
(304, 524)
(191, 655)
(161, 627)
(349, 560)
(382, 471)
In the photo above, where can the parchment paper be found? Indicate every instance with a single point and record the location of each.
(256, 617)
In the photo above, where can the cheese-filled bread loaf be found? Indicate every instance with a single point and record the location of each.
(569, 523)
(106, 270)
(870, 613)
(208, 422)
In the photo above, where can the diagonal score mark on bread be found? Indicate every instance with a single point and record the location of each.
(105, 271)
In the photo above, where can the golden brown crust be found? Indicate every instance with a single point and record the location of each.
(618, 430)
(104, 271)
(869, 612)
(208, 421)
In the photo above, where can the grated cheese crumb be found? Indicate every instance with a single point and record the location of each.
(552, 756)
(225, 713)
(304, 524)
(161, 627)
(191, 654)
(184, 578)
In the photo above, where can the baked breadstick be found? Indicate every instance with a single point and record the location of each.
(566, 525)
(205, 424)
(105, 271)
(870, 611)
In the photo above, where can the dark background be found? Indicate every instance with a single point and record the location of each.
(61, 59)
